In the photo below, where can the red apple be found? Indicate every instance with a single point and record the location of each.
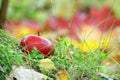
(43, 45)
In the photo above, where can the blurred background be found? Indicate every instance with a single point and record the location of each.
(95, 22)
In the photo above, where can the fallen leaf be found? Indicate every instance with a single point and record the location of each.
(62, 75)
(47, 65)
(22, 73)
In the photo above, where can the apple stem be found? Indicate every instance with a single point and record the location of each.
(38, 33)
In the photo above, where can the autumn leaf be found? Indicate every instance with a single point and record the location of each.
(47, 65)
(62, 75)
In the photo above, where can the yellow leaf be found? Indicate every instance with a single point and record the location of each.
(62, 75)
(47, 65)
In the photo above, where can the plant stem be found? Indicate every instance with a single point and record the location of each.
(3, 10)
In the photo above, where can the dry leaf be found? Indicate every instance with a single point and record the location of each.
(62, 75)
(47, 64)
(21, 73)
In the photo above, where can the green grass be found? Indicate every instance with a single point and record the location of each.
(81, 64)
(9, 53)
(78, 65)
